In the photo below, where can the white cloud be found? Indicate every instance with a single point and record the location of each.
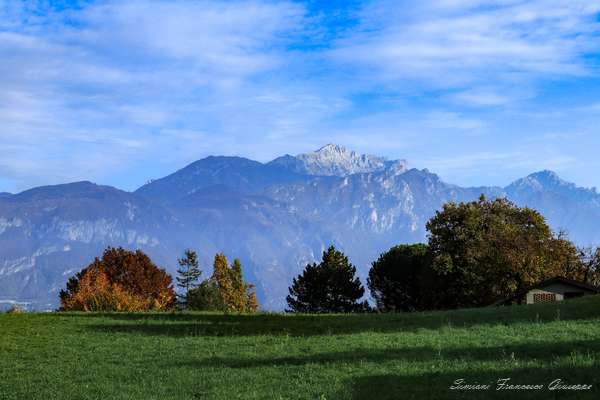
(227, 38)
(85, 89)
(450, 44)
(117, 89)
(481, 97)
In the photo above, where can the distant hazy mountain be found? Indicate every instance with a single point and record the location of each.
(237, 173)
(49, 233)
(566, 207)
(275, 217)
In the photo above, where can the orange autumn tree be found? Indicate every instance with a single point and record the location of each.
(121, 280)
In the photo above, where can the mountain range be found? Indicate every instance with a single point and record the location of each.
(274, 216)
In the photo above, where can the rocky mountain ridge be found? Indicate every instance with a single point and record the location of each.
(334, 160)
(275, 217)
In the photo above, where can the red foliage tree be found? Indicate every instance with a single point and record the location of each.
(121, 280)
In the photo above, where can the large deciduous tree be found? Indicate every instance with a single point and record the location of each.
(120, 280)
(489, 249)
(590, 257)
(328, 287)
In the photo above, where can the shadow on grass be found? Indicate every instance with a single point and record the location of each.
(202, 324)
(437, 385)
(511, 354)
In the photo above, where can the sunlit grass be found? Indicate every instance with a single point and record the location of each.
(273, 356)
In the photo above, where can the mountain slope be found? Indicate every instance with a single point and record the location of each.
(566, 206)
(270, 238)
(48, 233)
(246, 176)
(275, 217)
(371, 212)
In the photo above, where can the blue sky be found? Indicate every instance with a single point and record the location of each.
(480, 92)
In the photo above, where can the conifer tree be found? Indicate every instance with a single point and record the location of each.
(238, 286)
(189, 274)
(251, 300)
(330, 286)
(222, 277)
(236, 294)
(205, 297)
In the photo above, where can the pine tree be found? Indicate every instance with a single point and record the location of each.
(189, 274)
(330, 286)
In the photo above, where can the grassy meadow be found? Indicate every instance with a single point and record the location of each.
(275, 356)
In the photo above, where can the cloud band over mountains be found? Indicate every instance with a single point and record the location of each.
(121, 92)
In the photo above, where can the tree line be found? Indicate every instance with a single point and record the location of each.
(123, 280)
(477, 253)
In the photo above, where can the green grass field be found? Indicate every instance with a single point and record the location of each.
(273, 356)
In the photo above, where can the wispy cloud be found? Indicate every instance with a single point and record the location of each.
(120, 92)
(126, 75)
(452, 44)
